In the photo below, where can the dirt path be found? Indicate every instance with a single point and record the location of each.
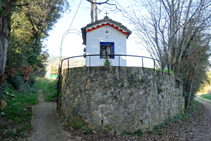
(45, 121)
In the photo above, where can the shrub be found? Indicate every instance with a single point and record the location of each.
(107, 62)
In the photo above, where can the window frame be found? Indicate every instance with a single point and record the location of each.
(113, 46)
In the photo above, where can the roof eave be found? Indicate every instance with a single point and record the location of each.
(83, 29)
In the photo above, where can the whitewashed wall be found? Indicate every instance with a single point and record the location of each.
(93, 39)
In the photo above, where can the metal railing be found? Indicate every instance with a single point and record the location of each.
(161, 64)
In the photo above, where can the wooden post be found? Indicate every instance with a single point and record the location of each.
(95, 10)
(92, 11)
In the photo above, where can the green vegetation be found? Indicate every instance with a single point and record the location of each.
(87, 130)
(26, 23)
(76, 125)
(137, 133)
(107, 62)
(25, 28)
(18, 112)
(49, 88)
(166, 70)
(17, 120)
(207, 96)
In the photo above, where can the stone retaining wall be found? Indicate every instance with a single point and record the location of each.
(118, 99)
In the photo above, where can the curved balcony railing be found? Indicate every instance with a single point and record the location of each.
(157, 64)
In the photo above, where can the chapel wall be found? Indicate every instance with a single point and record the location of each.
(96, 36)
(118, 99)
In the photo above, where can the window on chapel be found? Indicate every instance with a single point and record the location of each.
(106, 50)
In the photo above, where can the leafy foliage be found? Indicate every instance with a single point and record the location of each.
(29, 23)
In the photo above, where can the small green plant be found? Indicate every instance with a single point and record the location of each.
(166, 70)
(159, 89)
(139, 132)
(88, 131)
(168, 120)
(163, 125)
(185, 116)
(123, 134)
(107, 62)
(76, 125)
(160, 133)
(156, 127)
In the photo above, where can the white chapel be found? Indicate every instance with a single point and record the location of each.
(104, 37)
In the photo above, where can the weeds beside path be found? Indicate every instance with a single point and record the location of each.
(45, 119)
(48, 88)
(16, 123)
(22, 116)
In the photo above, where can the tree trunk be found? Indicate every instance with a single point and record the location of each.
(189, 95)
(191, 86)
(4, 32)
(95, 10)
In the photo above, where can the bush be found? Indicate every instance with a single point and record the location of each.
(15, 81)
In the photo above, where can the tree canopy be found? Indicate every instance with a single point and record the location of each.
(24, 26)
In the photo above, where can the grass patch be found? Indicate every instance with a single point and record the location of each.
(17, 107)
(49, 88)
(17, 120)
(206, 96)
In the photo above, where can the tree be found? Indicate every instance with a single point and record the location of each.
(175, 32)
(39, 16)
(166, 27)
(5, 13)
